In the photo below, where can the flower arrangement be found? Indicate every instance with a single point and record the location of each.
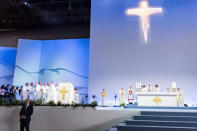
(40, 103)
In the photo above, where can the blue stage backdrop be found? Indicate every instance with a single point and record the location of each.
(53, 60)
(7, 64)
(119, 56)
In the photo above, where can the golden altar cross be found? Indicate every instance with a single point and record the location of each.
(63, 91)
(157, 100)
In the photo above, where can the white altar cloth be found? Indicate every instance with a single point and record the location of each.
(159, 99)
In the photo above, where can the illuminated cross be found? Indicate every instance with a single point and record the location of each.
(63, 91)
(144, 12)
(157, 100)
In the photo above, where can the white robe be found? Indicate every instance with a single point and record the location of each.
(149, 89)
(143, 89)
(54, 93)
(122, 96)
(180, 99)
(25, 93)
(76, 97)
(156, 89)
(130, 96)
(38, 92)
(18, 97)
(31, 92)
(48, 94)
(44, 94)
(103, 102)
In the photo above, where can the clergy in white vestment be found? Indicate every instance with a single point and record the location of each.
(130, 95)
(180, 97)
(76, 96)
(18, 97)
(38, 91)
(149, 88)
(122, 96)
(168, 90)
(156, 88)
(44, 93)
(54, 92)
(103, 95)
(48, 93)
(31, 91)
(143, 88)
(25, 92)
(138, 87)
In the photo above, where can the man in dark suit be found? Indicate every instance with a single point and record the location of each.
(25, 115)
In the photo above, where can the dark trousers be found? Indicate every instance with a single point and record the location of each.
(24, 125)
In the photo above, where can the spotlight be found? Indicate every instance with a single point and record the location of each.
(27, 3)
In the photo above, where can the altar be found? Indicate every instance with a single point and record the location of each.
(159, 99)
(65, 93)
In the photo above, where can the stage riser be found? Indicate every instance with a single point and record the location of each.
(163, 123)
(160, 121)
(113, 129)
(147, 128)
(130, 106)
(162, 118)
(169, 113)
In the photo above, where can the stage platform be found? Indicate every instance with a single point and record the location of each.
(147, 108)
(135, 106)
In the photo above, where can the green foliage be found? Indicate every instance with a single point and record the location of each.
(38, 102)
(16, 102)
(59, 103)
(122, 104)
(4, 102)
(94, 103)
(50, 103)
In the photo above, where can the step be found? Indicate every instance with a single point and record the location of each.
(113, 129)
(161, 123)
(169, 113)
(165, 118)
(124, 127)
(158, 107)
